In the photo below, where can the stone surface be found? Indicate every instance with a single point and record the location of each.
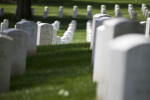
(118, 13)
(46, 11)
(112, 28)
(129, 74)
(45, 34)
(143, 5)
(54, 36)
(6, 22)
(144, 9)
(57, 25)
(133, 15)
(96, 16)
(98, 22)
(89, 11)
(129, 7)
(30, 28)
(116, 7)
(58, 40)
(5, 62)
(146, 13)
(88, 30)
(32, 10)
(19, 50)
(60, 12)
(3, 25)
(75, 11)
(38, 22)
(1, 11)
(75, 23)
(143, 26)
(147, 30)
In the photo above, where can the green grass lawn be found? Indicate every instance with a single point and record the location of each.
(61, 72)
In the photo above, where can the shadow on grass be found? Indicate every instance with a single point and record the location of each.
(55, 64)
(63, 21)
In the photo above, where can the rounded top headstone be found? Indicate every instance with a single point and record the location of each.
(128, 41)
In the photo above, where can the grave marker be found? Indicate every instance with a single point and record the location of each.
(45, 34)
(5, 62)
(75, 11)
(129, 74)
(60, 12)
(30, 28)
(112, 28)
(19, 50)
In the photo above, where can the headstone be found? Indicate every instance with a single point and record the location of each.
(144, 10)
(143, 26)
(112, 28)
(3, 25)
(32, 9)
(116, 7)
(147, 30)
(133, 15)
(19, 50)
(58, 40)
(96, 16)
(5, 59)
(75, 11)
(89, 11)
(54, 36)
(65, 39)
(23, 19)
(103, 9)
(88, 30)
(71, 28)
(129, 74)
(143, 5)
(45, 34)
(129, 7)
(146, 13)
(130, 11)
(6, 21)
(118, 13)
(38, 22)
(30, 28)
(98, 22)
(60, 12)
(46, 11)
(75, 23)
(57, 25)
(1, 11)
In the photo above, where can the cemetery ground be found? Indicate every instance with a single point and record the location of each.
(61, 72)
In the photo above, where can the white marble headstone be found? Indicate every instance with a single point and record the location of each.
(147, 30)
(112, 28)
(45, 34)
(19, 50)
(75, 11)
(30, 28)
(89, 11)
(96, 16)
(129, 68)
(6, 21)
(6, 61)
(60, 12)
(98, 22)
(1, 11)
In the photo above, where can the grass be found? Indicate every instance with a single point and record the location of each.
(57, 68)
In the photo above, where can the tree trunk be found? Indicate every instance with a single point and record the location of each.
(23, 9)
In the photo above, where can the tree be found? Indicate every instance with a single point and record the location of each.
(23, 9)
